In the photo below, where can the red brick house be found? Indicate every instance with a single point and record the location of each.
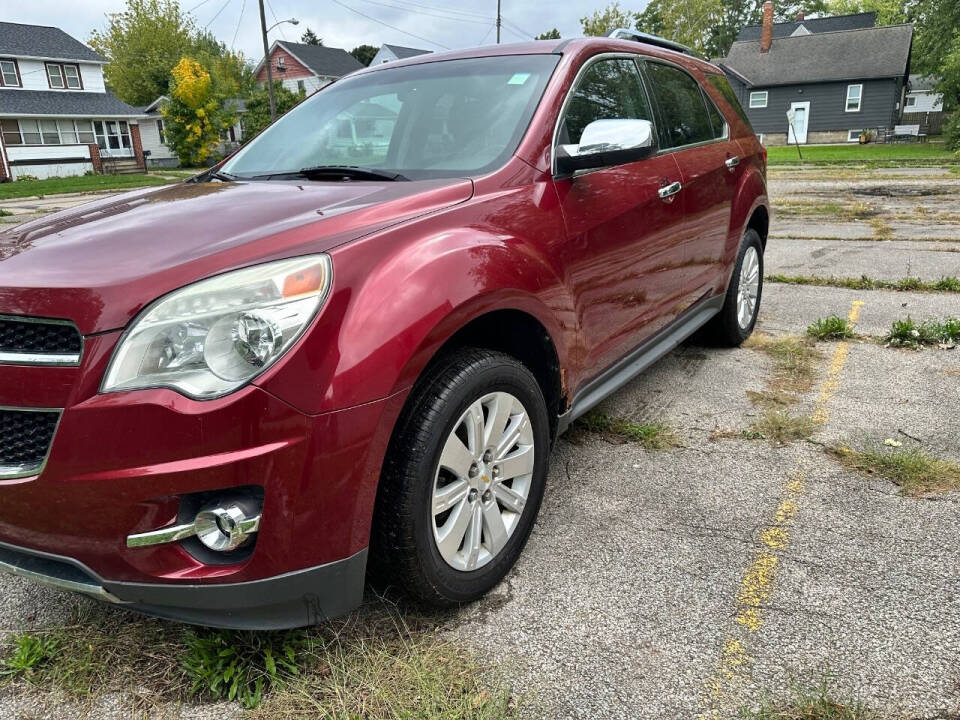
(306, 67)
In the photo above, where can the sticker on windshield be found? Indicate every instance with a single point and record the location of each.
(518, 79)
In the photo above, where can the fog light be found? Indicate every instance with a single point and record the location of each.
(224, 528)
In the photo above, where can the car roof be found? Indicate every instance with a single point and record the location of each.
(585, 46)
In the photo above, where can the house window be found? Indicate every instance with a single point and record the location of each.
(11, 132)
(758, 99)
(30, 132)
(853, 135)
(854, 95)
(85, 131)
(301, 86)
(51, 135)
(68, 132)
(60, 76)
(160, 132)
(9, 73)
(281, 64)
(911, 100)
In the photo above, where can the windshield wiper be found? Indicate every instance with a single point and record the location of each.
(339, 172)
(214, 175)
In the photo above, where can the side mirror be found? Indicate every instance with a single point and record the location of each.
(606, 143)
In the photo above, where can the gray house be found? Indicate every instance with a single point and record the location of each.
(838, 82)
(389, 53)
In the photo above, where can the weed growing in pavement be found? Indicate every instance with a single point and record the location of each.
(793, 358)
(815, 704)
(5, 213)
(832, 327)
(915, 472)
(782, 426)
(652, 436)
(881, 229)
(30, 653)
(908, 333)
(944, 284)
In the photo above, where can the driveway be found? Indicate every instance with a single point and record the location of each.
(701, 579)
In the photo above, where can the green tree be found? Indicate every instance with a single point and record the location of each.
(364, 53)
(310, 38)
(257, 115)
(889, 12)
(610, 18)
(142, 44)
(194, 115)
(936, 52)
(549, 35)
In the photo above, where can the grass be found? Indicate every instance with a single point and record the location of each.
(815, 704)
(793, 358)
(376, 663)
(881, 229)
(80, 183)
(5, 213)
(916, 473)
(842, 211)
(652, 436)
(782, 427)
(947, 283)
(871, 154)
(908, 333)
(832, 327)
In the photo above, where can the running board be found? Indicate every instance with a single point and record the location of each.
(639, 359)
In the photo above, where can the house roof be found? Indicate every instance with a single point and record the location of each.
(922, 83)
(22, 103)
(321, 60)
(405, 52)
(42, 41)
(825, 57)
(857, 21)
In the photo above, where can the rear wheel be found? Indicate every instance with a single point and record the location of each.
(735, 322)
(463, 480)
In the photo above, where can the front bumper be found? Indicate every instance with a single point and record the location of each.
(120, 463)
(295, 599)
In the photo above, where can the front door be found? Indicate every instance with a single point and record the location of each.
(113, 138)
(797, 120)
(621, 258)
(709, 161)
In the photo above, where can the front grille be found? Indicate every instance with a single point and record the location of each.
(25, 437)
(39, 341)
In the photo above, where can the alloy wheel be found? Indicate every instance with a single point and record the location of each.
(482, 481)
(748, 288)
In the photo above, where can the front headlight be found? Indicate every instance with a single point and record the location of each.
(211, 338)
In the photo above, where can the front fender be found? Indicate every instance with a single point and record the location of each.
(396, 299)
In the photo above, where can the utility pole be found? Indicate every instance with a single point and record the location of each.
(498, 21)
(266, 60)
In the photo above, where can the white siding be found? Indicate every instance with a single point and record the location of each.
(383, 55)
(52, 153)
(310, 84)
(33, 75)
(150, 139)
(926, 102)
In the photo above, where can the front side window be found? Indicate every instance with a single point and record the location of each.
(9, 76)
(608, 90)
(758, 99)
(682, 108)
(854, 94)
(436, 119)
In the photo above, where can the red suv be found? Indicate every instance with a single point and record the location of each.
(353, 343)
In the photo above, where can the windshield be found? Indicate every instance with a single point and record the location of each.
(439, 119)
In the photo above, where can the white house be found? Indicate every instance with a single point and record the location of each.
(56, 116)
(389, 53)
(153, 133)
(921, 97)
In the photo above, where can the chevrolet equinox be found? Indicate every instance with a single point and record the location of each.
(350, 346)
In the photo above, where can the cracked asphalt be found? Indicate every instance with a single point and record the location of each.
(629, 601)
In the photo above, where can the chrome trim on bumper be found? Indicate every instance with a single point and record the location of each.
(173, 533)
(15, 358)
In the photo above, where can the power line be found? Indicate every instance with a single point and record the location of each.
(277, 21)
(516, 32)
(243, 6)
(487, 35)
(444, 9)
(199, 4)
(392, 27)
(436, 15)
(525, 32)
(217, 15)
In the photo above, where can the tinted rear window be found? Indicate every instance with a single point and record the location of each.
(721, 83)
(682, 109)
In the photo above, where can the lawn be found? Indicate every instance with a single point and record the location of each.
(80, 183)
(872, 154)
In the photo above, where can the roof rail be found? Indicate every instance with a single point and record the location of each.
(638, 36)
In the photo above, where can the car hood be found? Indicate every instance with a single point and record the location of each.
(98, 264)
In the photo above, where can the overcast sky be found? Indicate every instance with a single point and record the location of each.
(341, 23)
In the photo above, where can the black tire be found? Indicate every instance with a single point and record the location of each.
(403, 550)
(725, 328)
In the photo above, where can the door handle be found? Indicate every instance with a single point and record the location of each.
(732, 162)
(668, 191)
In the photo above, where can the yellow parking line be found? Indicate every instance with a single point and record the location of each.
(757, 584)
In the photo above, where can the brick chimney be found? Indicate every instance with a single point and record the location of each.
(800, 17)
(766, 39)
